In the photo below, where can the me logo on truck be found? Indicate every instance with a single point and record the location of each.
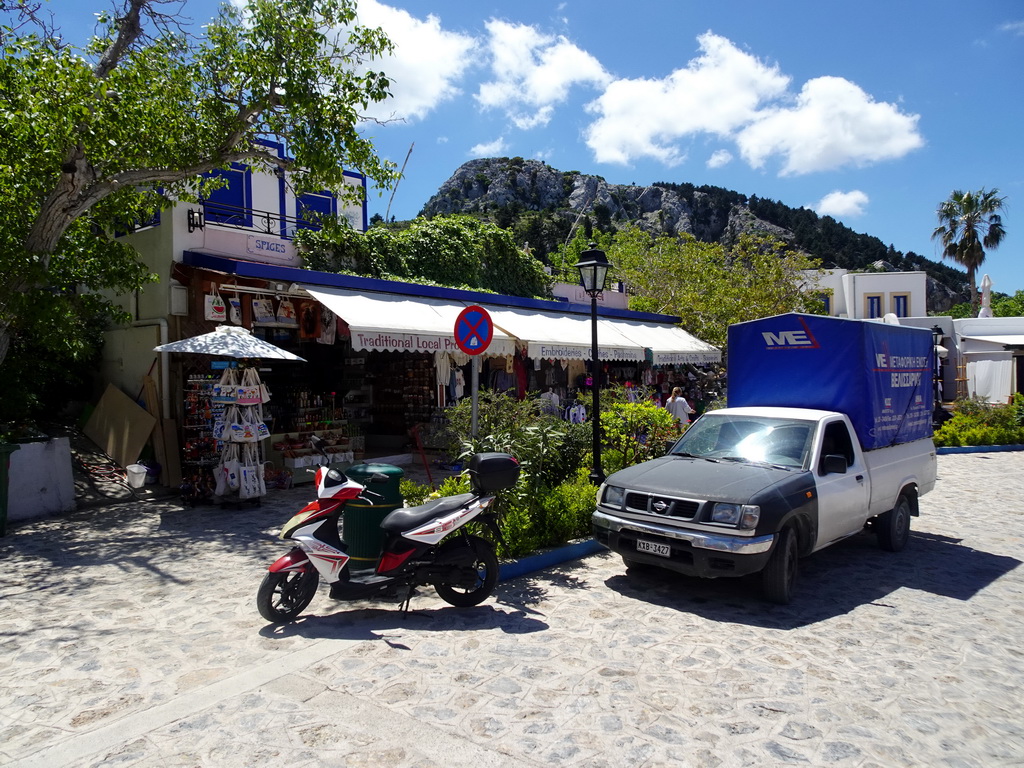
(790, 339)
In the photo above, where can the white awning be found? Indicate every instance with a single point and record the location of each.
(669, 344)
(395, 323)
(1009, 339)
(563, 337)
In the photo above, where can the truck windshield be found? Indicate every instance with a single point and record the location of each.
(747, 438)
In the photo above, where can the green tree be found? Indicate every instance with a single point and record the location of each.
(94, 139)
(711, 287)
(970, 222)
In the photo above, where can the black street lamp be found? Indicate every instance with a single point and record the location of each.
(593, 266)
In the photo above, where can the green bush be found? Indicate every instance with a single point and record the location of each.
(553, 501)
(977, 423)
(635, 432)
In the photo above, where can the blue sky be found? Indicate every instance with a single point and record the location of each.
(872, 112)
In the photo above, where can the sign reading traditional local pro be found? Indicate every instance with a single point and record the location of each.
(473, 330)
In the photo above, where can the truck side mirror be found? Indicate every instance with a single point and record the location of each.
(833, 463)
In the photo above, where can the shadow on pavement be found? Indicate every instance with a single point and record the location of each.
(831, 583)
(373, 623)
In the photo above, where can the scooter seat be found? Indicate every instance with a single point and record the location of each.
(410, 517)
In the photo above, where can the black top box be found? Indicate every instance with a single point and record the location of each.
(490, 472)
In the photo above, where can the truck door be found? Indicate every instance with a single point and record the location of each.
(842, 497)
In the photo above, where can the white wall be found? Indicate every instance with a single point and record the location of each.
(40, 481)
(857, 286)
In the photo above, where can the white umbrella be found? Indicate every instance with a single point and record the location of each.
(229, 341)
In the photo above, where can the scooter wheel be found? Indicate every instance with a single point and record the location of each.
(283, 596)
(486, 565)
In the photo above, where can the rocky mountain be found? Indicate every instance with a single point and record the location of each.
(543, 206)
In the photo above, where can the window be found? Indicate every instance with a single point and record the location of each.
(901, 304)
(232, 203)
(836, 441)
(873, 306)
(312, 208)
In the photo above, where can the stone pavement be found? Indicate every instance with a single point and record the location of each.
(129, 637)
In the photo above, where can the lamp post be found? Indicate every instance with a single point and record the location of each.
(938, 414)
(593, 266)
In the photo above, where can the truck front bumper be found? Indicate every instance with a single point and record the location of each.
(693, 553)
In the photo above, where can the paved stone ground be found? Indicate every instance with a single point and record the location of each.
(129, 637)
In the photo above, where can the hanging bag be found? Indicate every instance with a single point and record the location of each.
(262, 432)
(248, 392)
(262, 311)
(215, 309)
(230, 468)
(220, 424)
(252, 483)
(286, 314)
(244, 429)
(226, 390)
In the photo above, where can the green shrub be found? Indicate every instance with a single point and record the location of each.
(414, 493)
(635, 432)
(977, 423)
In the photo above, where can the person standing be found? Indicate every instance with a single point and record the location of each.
(678, 407)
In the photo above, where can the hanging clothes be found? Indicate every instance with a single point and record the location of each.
(328, 327)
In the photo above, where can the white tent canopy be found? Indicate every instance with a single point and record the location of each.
(669, 344)
(390, 322)
(563, 337)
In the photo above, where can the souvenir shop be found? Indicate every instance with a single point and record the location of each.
(378, 363)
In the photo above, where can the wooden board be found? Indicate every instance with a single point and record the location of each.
(119, 426)
(152, 400)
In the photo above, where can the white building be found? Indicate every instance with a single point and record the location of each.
(868, 295)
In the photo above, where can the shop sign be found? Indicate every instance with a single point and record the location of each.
(544, 351)
(272, 250)
(401, 342)
(679, 358)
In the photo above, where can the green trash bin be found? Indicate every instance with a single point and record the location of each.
(362, 519)
(6, 449)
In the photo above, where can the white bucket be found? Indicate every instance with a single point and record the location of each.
(136, 475)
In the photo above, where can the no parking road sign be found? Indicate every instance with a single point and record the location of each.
(473, 330)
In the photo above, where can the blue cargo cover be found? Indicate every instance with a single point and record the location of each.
(879, 375)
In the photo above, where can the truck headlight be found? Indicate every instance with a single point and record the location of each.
(740, 515)
(613, 496)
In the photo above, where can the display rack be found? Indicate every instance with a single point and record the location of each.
(200, 451)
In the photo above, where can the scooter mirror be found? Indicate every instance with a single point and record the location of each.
(378, 477)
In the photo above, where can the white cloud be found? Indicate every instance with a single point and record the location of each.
(719, 158)
(533, 72)
(841, 204)
(425, 66)
(832, 124)
(1014, 28)
(717, 93)
(490, 149)
(731, 94)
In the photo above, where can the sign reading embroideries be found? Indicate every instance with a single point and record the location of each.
(473, 330)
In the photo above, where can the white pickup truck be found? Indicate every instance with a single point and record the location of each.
(753, 489)
(831, 433)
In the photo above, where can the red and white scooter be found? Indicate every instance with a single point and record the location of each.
(424, 545)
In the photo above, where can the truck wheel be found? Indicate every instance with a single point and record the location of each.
(894, 526)
(779, 576)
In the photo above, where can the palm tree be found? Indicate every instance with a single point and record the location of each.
(969, 222)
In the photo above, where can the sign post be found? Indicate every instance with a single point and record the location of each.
(473, 333)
